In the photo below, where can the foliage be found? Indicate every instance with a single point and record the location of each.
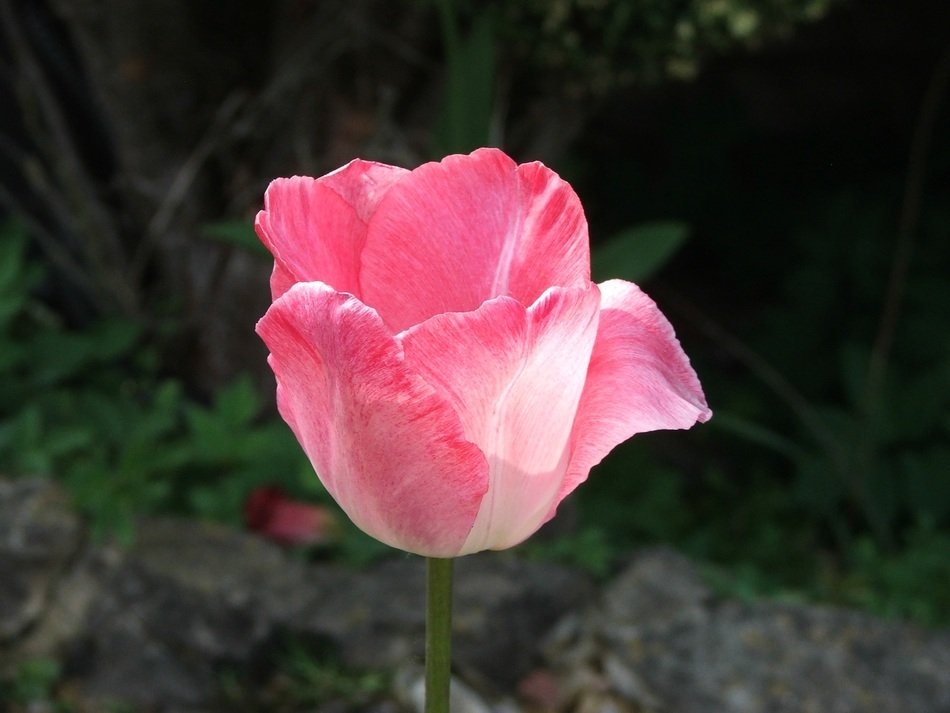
(589, 549)
(31, 686)
(468, 107)
(90, 407)
(636, 253)
(819, 485)
(596, 45)
(302, 676)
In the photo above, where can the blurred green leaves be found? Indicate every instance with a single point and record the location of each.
(89, 408)
(469, 94)
(590, 47)
(239, 233)
(637, 253)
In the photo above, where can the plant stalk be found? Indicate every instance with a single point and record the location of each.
(438, 634)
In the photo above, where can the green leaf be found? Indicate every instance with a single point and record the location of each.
(239, 233)
(756, 433)
(468, 107)
(638, 253)
(12, 256)
(237, 404)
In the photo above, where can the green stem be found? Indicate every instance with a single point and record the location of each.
(438, 634)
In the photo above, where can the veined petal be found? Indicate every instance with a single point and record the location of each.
(363, 184)
(388, 448)
(515, 377)
(639, 380)
(451, 235)
(554, 248)
(316, 227)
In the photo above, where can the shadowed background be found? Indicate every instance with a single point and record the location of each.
(776, 175)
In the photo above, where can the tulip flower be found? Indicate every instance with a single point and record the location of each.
(442, 355)
(269, 512)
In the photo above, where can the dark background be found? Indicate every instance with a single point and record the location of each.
(798, 152)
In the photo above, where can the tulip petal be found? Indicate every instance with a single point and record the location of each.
(515, 377)
(387, 447)
(639, 380)
(316, 227)
(454, 234)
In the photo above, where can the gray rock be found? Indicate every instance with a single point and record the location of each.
(503, 606)
(186, 600)
(39, 535)
(155, 626)
(660, 641)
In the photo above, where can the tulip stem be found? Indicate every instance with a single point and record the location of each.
(438, 634)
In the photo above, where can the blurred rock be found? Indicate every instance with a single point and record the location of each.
(503, 606)
(409, 687)
(39, 535)
(156, 626)
(661, 641)
(187, 600)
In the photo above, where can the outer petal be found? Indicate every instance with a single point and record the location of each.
(470, 228)
(515, 377)
(639, 380)
(316, 227)
(386, 446)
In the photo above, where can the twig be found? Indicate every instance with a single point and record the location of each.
(187, 173)
(765, 372)
(906, 231)
(99, 238)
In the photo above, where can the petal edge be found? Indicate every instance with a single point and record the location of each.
(387, 447)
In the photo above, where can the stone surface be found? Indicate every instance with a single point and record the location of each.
(39, 535)
(157, 625)
(187, 600)
(503, 606)
(660, 641)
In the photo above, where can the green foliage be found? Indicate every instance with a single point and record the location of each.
(239, 233)
(637, 253)
(314, 679)
(813, 483)
(31, 686)
(913, 583)
(469, 98)
(594, 46)
(589, 549)
(303, 677)
(878, 452)
(88, 407)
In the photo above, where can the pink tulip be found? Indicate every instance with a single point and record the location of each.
(268, 511)
(442, 355)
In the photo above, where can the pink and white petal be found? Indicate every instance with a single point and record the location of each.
(388, 448)
(281, 280)
(363, 184)
(467, 229)
(554, 248)
(312, 233)
(639, 380)
(515, 377)
(316, 227)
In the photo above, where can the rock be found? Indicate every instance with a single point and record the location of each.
(187, 600)
(409, 689)
(157, 624)
(155, 627)
(503, 607)
(39, 535)
(660, 641)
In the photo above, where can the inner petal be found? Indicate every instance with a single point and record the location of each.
(515, 377)
(451, 235)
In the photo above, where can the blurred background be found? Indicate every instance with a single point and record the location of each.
(776, 174)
